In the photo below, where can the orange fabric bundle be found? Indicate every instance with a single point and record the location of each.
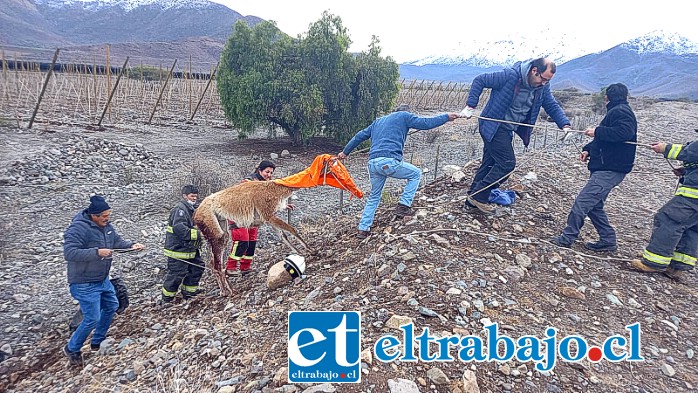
(325, 170)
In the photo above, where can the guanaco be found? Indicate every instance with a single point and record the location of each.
(251, 204)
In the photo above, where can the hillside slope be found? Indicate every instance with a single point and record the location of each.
(445, 269)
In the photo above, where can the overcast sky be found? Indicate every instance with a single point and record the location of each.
(411, 31)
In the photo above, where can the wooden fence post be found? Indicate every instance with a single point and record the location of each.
(111, 94)
(43, 89)
(204, 93)
(162, 90)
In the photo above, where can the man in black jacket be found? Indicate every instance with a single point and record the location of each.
(610, 159)
(182, 241)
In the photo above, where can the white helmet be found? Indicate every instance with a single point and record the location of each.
(295, 265)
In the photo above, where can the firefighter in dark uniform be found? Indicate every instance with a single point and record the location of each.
(182, 241)
(673, 246)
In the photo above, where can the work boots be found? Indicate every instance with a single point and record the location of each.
(483, 207)
(403, 210)
(640, 266)
(673, 273)
(190, 294)
(601, 246)
(74, 358)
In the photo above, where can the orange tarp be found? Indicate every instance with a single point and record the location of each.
(325, 170)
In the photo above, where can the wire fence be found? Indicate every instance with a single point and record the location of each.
(85, 94)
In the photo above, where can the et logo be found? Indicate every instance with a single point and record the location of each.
(324, 346)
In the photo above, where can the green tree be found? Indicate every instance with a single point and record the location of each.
(306, 86)
(598, 102)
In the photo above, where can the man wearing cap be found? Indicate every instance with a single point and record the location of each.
(182, 242)
(89, 243)
(388, 134)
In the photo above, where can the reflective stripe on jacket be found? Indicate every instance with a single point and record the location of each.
(687, 153)
(182, 239)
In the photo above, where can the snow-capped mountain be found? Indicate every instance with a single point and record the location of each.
(661, 41)
(659, 64)
(515, 48)
(51, 23)
(507, 51)
(127, 5)
(641, 63)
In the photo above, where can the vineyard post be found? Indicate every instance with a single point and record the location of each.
(107, 71)
(111, 94)
(43, 89)
(210, 79)
(162, 90)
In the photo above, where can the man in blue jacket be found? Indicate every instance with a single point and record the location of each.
(517, 95)
(388, 135)
(610, 160)
(673, 246)
(89, 243)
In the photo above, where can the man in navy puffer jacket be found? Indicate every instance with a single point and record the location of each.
(89, 243)
(517, 95)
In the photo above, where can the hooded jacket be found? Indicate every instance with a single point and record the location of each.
(182, 239)
(608, 151)
(82, 239)
(505, 86)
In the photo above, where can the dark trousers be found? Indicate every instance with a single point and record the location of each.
(498, 161)
(183, 273)
(674, 239)
(590, 202)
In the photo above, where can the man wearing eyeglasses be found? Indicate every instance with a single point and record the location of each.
(517, 95)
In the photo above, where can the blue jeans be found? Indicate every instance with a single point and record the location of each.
(379, 170)
(98, 303)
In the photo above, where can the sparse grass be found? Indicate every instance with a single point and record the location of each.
(209, 176)
(388, 198)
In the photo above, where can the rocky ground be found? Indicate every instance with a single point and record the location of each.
(445, 269)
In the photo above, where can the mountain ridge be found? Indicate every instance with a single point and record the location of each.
(659, 64)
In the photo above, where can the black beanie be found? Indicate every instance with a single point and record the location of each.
(265, 164)
(190, 189)
(97, 205)
(617, 92)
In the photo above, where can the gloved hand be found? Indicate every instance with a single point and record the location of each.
(467, 112)
(680, 171)
(568, 133)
